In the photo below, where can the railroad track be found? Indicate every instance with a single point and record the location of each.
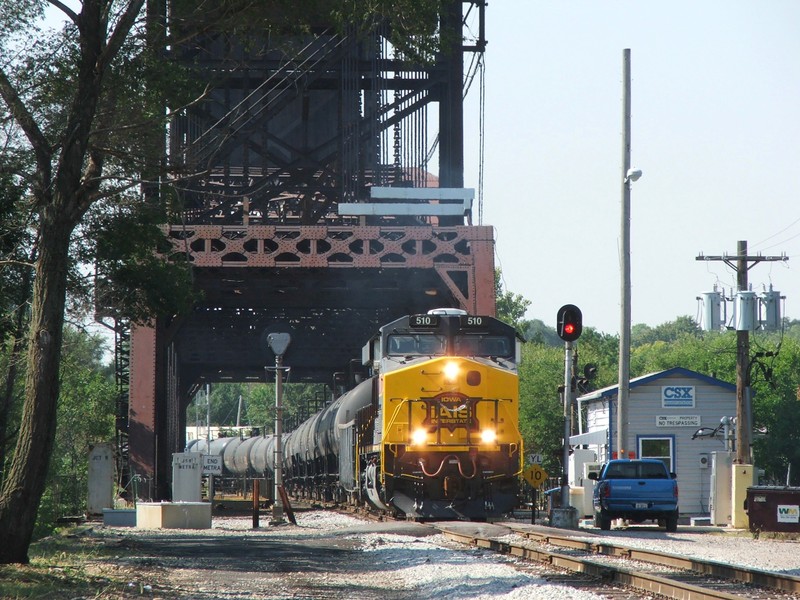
(661, 574)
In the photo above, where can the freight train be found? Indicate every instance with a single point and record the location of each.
(432, 433)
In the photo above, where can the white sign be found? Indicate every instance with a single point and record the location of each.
(677, 396)
(677, 420)
(788, 513)
(186, 477)
(212, 464)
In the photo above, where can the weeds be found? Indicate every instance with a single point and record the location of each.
(70, 564)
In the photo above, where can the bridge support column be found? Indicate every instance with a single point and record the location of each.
(142, 409)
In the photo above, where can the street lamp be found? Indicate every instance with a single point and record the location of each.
(632, 175)
(629, 175)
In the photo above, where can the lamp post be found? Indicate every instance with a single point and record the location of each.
(628, 176)
(278, 343)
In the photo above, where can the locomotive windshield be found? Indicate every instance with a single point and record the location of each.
(421, 344)
(483, 345)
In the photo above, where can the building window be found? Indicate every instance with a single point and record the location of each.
(657, 447)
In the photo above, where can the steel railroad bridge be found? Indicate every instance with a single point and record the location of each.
(310, 204)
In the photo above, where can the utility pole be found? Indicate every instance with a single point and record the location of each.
(623, 383)
(742, 263)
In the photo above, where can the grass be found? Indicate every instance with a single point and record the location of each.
(69, 564)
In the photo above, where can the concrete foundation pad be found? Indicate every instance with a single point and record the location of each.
(173, 515)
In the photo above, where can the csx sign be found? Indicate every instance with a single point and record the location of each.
(677, 396)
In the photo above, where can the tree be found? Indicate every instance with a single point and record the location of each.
(775, 380)
(85, 107)
(541, 410)
(510, 307)
(16, 248)
(85, 418)
(66, 181)
(666, 332)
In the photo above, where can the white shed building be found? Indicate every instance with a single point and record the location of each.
(678, 416)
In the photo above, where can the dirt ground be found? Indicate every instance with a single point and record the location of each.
(286, 561)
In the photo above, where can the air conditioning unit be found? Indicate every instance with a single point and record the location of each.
(591, 468)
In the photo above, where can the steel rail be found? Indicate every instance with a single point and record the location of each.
(786, 583)
(607, 574)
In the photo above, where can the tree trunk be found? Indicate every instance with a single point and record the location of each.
(24, 485)
(17, 347)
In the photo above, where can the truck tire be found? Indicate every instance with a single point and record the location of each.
(602, 521)
(671, 522)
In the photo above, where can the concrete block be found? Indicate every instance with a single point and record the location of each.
(565, 518)
(173, 515)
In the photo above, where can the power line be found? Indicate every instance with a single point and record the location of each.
(789, 226)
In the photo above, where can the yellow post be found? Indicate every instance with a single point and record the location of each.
(743, 478)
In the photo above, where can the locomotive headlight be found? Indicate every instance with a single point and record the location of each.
(451, 371)
(419, 437)
(488, 436)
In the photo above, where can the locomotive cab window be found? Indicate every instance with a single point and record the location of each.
(483, 345)
(416, 345)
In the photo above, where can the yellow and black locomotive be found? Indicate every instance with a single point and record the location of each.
(444, 441)
(433, 433)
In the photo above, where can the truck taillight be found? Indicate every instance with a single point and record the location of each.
(676, 491)
(605, 491)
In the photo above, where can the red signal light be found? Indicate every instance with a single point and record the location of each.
(569, 323)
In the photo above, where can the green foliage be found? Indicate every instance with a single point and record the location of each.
(86, 412)
(666, 332)
(536, 331)
(134, 280)
(711, 354)
(16, 242)
(541, 411)
(257, 404)
(509, 307)
(792, 330)
(776, 406)
(600, 350)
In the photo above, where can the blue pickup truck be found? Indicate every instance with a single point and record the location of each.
(636, 490)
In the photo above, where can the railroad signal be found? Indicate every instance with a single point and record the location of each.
(569, 323)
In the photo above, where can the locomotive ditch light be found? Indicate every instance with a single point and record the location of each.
(451, 371)
(419, 437)
(488, 436)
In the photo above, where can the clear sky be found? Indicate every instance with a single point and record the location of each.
(715, 128)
